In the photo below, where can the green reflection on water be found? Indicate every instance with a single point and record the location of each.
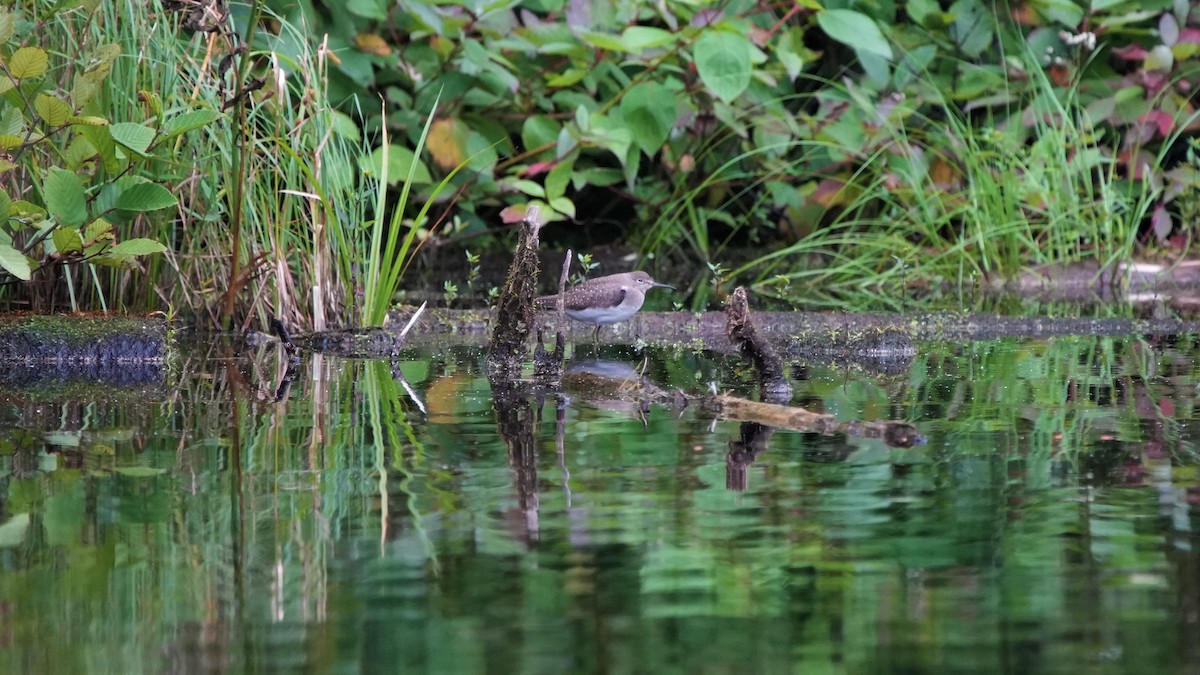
(378, 525)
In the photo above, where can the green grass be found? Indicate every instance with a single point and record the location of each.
(931, 198)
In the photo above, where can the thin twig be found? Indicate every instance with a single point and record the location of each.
(416, 315)
(560, 322)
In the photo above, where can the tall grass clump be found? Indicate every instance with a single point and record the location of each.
(288, 181)
(266, 208)
(884, 197)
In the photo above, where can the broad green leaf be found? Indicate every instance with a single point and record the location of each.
(637, 39)
(922, 11)
(104, 144)
(400, 160)
(1065, 12)
(855, 30)
(189, 121)
(97, 229)
(723, 62)
(108, 259)
(6, 83)
(8, 23)
(538, 131)
(368, 9)
(145, 197)
(559, 177)
(6, 165)
(65, 199)
(139, 471)
(5, 207)
(612, 135)
(10, 141)
(527, 186)
(564, 206)
(28, 62)
(139, 246)
(84, 89)
(345, 126)
(481, 151)
(27, 210)
(79, 151)
(566, 78)
(67, 240)
(790, 50)
(972, 28)
(604, 41)
(133, 137)
(12, 121)
(648, 109)
(14, 262)
(12, 532)
(53, 111)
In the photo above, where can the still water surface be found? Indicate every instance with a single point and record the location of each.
(368, 524)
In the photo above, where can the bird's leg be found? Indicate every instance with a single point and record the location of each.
(596, 339)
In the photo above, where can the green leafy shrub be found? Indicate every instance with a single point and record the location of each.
(749, 123)
(75, 179)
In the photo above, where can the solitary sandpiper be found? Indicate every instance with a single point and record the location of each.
(604, 300)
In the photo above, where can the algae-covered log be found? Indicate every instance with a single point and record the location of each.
(82, 339)
(58, 357)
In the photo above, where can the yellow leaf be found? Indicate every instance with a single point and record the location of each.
(443, 143)
(9, 141)
(372, 44)
(53, 111)
(28, 62)
(89, 121)
(445, 396)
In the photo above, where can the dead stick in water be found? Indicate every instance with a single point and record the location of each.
(561, 322)
(894, 434)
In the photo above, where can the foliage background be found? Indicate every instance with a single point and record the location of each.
(836, 149)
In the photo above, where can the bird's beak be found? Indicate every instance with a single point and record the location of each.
(658, 285)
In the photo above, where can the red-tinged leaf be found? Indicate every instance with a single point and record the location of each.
(1060, 74)
(1137, 163)
(707, 17)
(1161, 222)
(1130, 53)
(537, 168)
(1154, 80)
(514, 214)
(1190, 35)
(829, 192)
(1160, 119)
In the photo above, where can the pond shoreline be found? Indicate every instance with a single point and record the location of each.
(792, 331)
